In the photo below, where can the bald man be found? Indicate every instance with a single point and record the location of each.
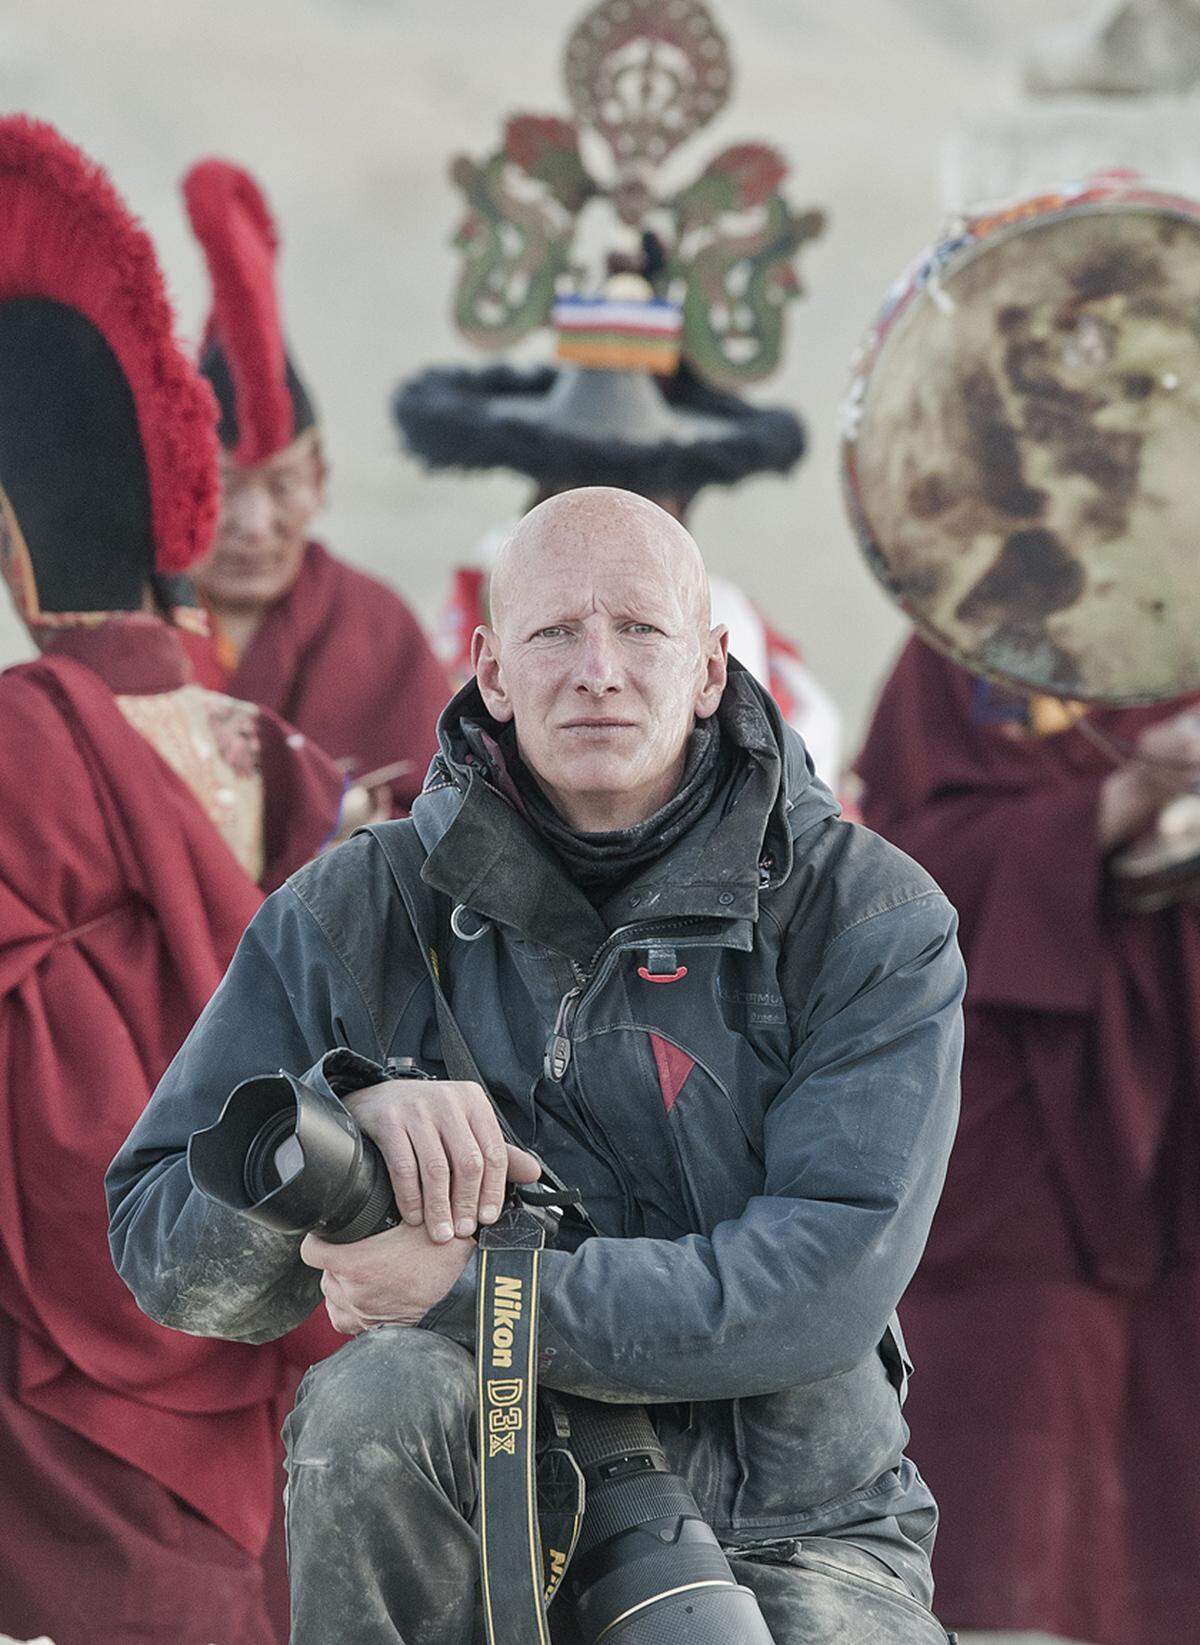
(730, 1019)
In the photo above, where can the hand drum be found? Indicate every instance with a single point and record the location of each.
(1022, 445)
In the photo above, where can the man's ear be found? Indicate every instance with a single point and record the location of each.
(716, 671)
(489, 676)
(320, 470)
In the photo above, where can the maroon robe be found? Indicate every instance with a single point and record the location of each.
(342, 658)
(1055, 1318)
(137, 1464)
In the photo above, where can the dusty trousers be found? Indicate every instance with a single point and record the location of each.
(382, 1500)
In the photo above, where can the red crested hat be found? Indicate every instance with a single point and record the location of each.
(74, 263)
(264, 406)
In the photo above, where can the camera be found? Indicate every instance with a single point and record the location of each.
(647, 1569)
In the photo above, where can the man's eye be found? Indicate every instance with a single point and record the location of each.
(643, 628)
(554, 632)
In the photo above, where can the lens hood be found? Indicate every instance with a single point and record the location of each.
(337, 1184)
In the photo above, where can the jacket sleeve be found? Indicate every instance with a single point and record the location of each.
(802, 1285)
(286, 1000)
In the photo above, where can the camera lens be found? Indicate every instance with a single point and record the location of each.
(647, 1567)
(261, 1172)
(293, 1159)
(289, 1159)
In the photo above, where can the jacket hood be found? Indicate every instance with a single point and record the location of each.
(483, 854)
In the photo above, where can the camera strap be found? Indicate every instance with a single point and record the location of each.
(516, 1585)
(404, 853)
(510, 1561)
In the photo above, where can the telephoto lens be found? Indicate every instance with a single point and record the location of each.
(294, 1160)
(647, 1569)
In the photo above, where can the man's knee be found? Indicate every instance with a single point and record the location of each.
(382, 1490)
(825, 1591)
(395, 1395)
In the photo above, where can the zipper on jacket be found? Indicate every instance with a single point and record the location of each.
(556, 1058)
(555, 1062)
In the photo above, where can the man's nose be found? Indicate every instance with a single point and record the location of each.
(248, 512)
(599, 665)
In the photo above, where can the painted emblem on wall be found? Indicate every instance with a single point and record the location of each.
(643, 77)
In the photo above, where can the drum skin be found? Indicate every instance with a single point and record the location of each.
(1021, 448)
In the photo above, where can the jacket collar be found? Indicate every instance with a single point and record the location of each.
(482, 853)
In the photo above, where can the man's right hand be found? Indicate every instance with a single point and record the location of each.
(445, 1152)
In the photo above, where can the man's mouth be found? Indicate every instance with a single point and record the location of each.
(248, 563)
(598, 725)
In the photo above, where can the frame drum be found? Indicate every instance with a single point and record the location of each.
(1021, 449)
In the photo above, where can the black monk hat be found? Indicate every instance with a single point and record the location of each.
(108, 458)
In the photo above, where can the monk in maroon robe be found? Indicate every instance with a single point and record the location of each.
(334, 651)
(1055, 1318)
(137, 1465)
(337, 654)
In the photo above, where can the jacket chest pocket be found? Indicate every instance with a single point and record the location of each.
(729, 1014)
(689, 1152)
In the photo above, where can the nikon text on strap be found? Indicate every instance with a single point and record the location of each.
(506, 1373)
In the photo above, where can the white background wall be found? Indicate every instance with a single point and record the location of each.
(349, 111)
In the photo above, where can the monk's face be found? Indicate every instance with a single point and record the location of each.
(266, 512)
(600, 652)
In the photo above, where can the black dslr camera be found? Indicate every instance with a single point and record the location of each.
(647, 1568)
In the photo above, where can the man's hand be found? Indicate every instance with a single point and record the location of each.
(393, 1278)
(445, 1152)
(1168, 764)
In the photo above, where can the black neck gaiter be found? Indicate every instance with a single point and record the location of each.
(599, 864)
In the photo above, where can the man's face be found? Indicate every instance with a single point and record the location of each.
(266, 512)
(602, 655)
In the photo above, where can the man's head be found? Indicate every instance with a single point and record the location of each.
(601, 653)
(678, 506)
(266, 512)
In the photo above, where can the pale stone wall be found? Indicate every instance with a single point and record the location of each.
(349, 110)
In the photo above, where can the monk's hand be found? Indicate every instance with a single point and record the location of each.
(1169, 755)
(393, 1278)
(445, 1152)
(1166, 764)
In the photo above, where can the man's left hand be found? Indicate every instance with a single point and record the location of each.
(393, 1278)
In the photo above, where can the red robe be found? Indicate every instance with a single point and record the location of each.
(343, 659)
(137, 1465)
(1055, 1318)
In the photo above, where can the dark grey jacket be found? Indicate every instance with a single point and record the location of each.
(760, 1142)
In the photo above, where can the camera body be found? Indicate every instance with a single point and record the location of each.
(647, 1569)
